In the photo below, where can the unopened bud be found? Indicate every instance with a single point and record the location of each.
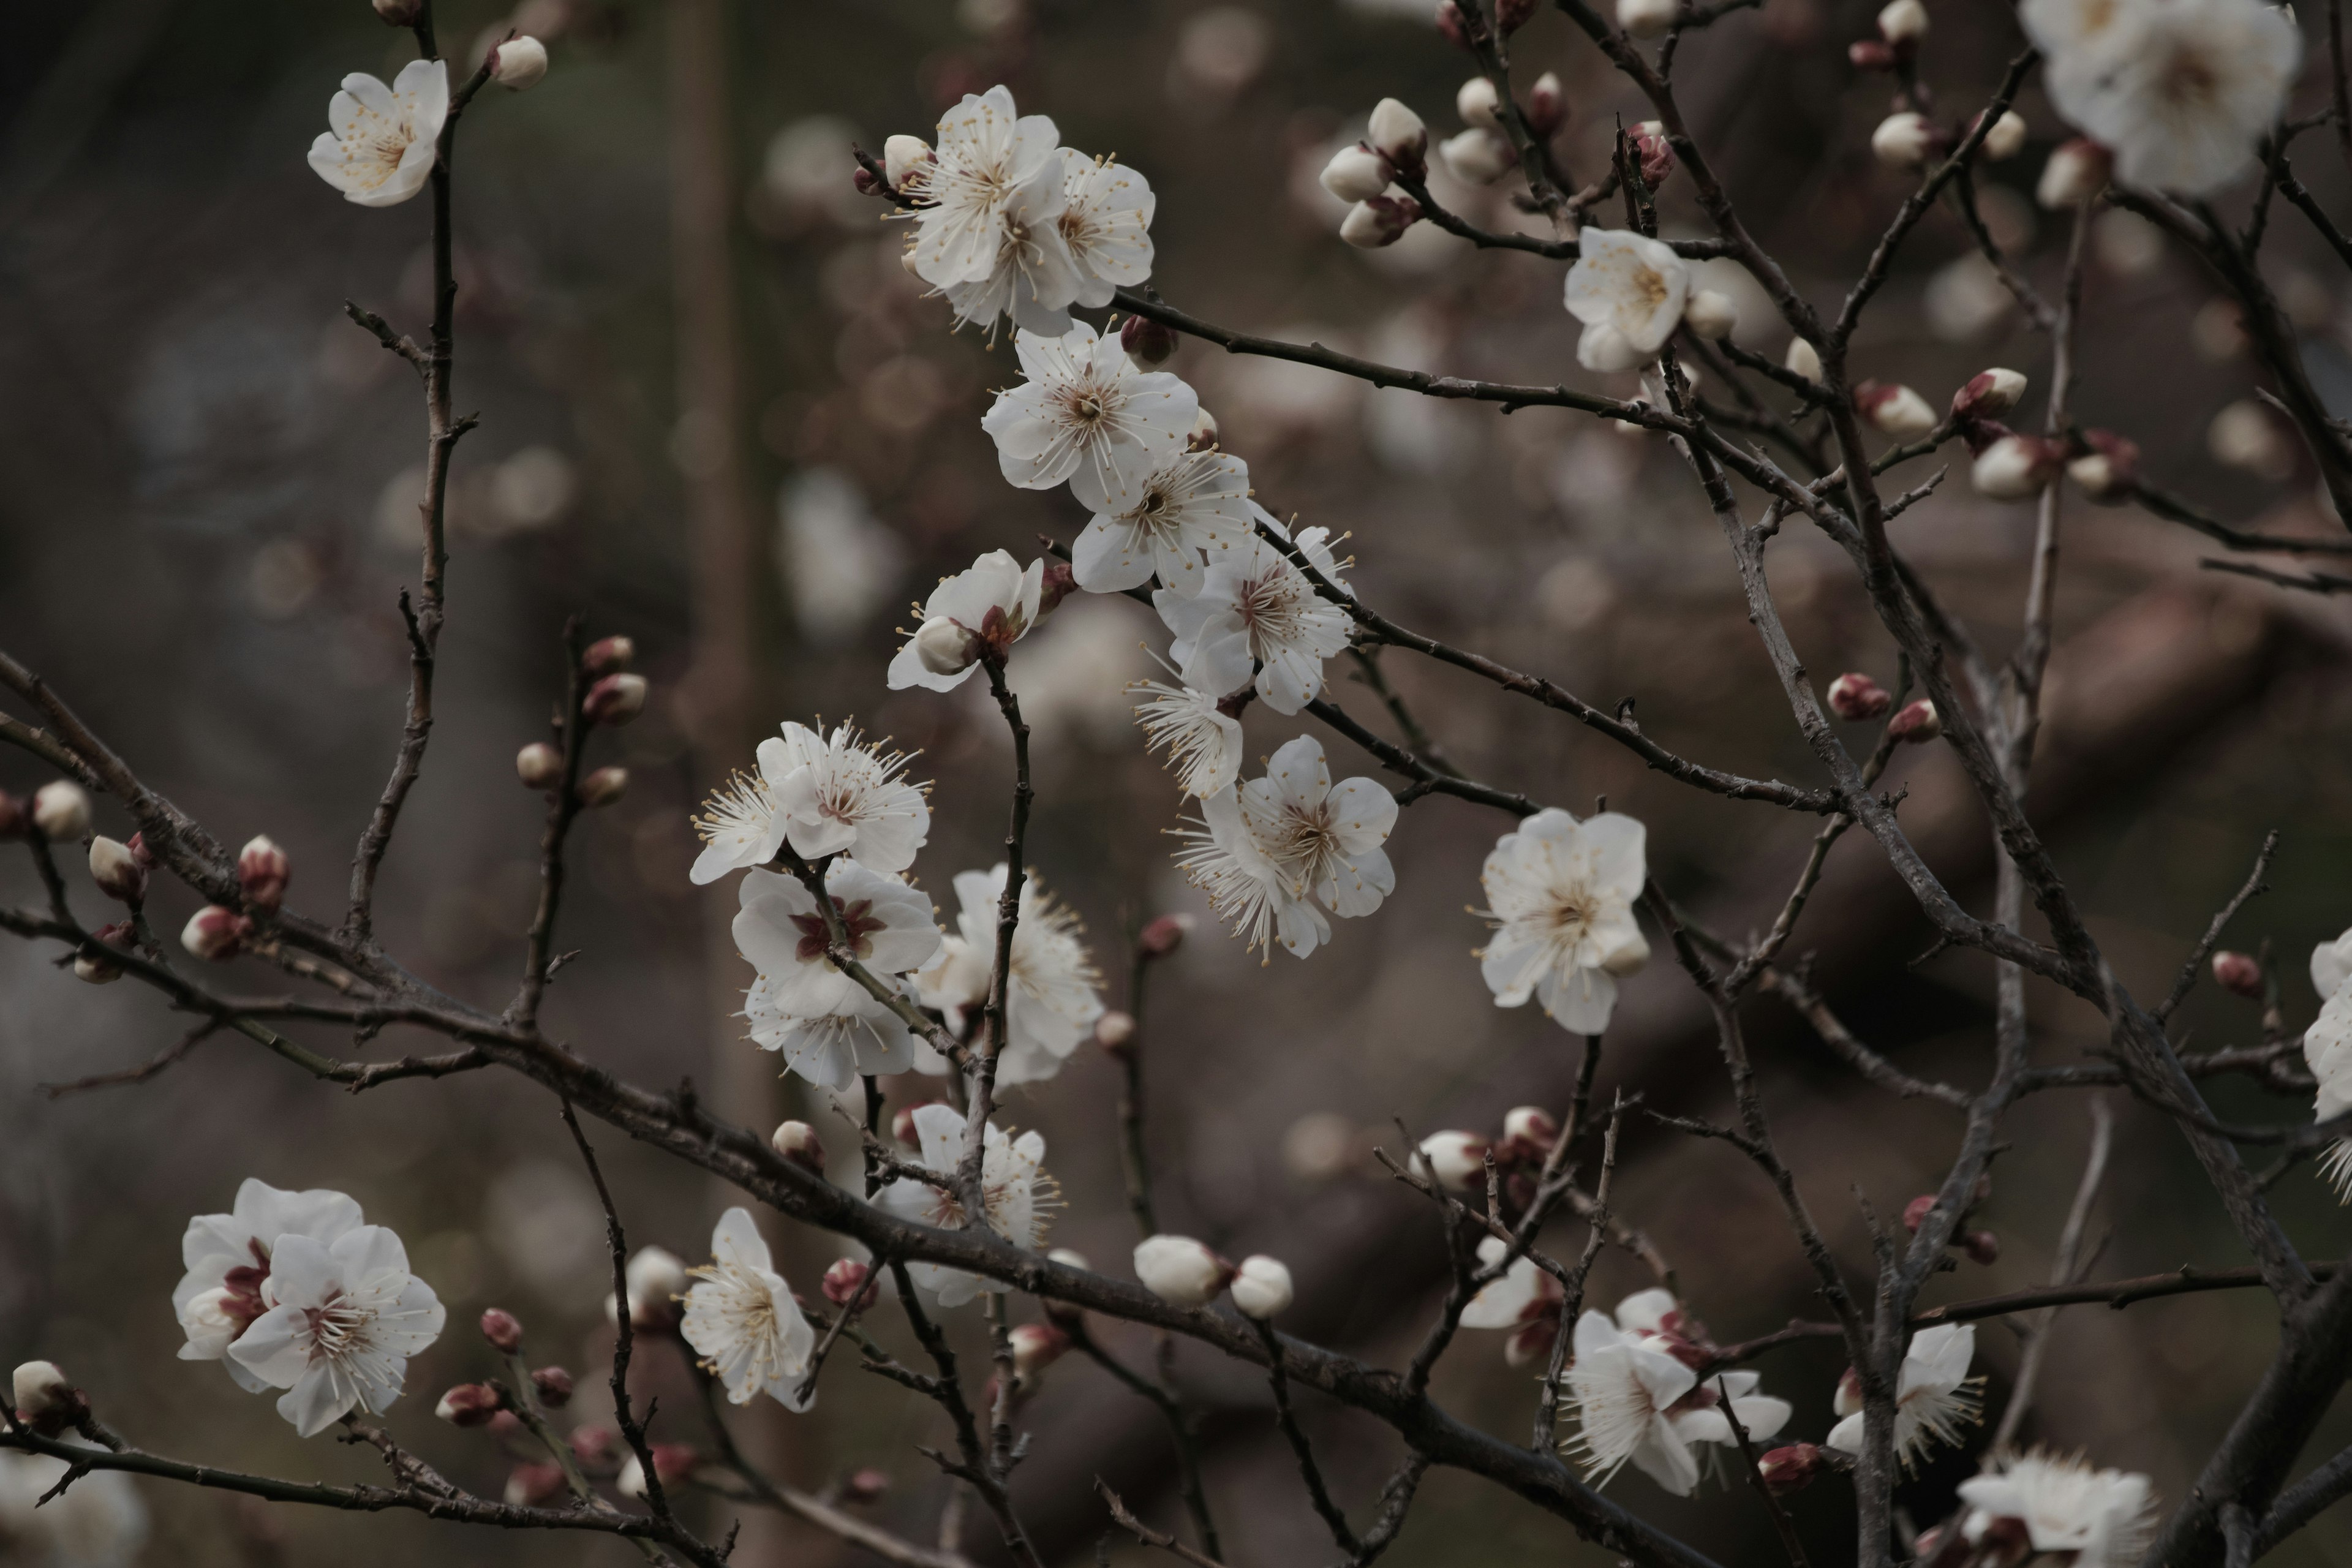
(2015, 467)
(615, 699)
(1180, 1270)
(400, 13)
(117, 872)
(1453, 1160)
(554, 1385)
(1477, 157)
(1804, 358)
(1115, 1032)
(1203, 434)
(1397, 135)
(2006, 140)
(1647, 18)
(1788, 1469)
(1164, 935)
(1853, 695)
(865, 1485)
(1356, 174)
(61, 811)
(502, 1329)
(1915, 1212)
(1711, 315)
(906, 161)
(1983, 1247)
(1989, 393)
(46, 1401)
(1528, 1132)
(1894, 409)
(540, 765)
(1870, 55)
(1382, 220)
(603, 787)
(1847, 1399)
(1057, 582)
(593, 1444)
(1035, 1347)
(1148, 342)
(655, 1280)
(852, 1282)
(215, 934)
(1479, 104)
(2109, 471)
(798, 1142)
(94, 962)
(2238, 974)
(1547, 105)
(945, 646)
(1918, 723)
(2077, 171)
(532, 1485)
(607, 656)
(262, 872)
(468, 1405)
(521, 62)
(1903, 141)
(1261, 1287)
(1902, 22)
(1655, 152)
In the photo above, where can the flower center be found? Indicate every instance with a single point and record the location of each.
(1649, 289)
(858, 924)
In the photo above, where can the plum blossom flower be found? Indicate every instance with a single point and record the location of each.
(384, 139)
(887, 923)
(839, 795)
(2101, 1518)
(739, 826)
(1203, 742)
(2180, 90)
(743, 1321)
(1265, 852)
(1158, 522)
(2328, 1052)
(2331, 966)
(1560, 893)
(1934, 1396)
(1257, 611)
(1053, 1002)
(1013, 1186)
(1086, 406)
(1629, 291)
(227, 1257)
(1525, 1301)
(986, 607)
(343, 1319)
(988, 232)
(1638, 1396)
(831, 1048)
(1107, 224)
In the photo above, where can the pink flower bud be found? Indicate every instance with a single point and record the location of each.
(2238, 974)
(1894, 409)
(1059, 582)
(15, 816)
(1164, 935)
(852, 1281)
(615, 699)
(1148, 342)
(216, 934)
(2016, 468)
(141, 853)
(2110, 470)
(1035, 1347)
(1656, 153)
(603, 787)
(798, 1142)
(593, 1445)
(1983, 1247)
(1989, 394)
(1180, 1270)
(1453, 1160)
(862, 181)
(1870, 55)
(117, 872)
(1451, 23)
(539, 765)
(533, 1485)
(554, 1385)
(1382, 220)
(2076, 172)
(865, 1485)
(606, 655)
(61, 811)
(262, 872)
(1791, 1469)
(468, 1405)
(502, 1329)
(1529, 1133)
(1547, 109)
(1115, 1032)
(1853, 695)
(1918, 723)
(1915, 1212)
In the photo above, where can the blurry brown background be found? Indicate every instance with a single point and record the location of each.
(717, 414)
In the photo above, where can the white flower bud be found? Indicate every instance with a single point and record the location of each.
(1398, 134)
(1895, 410)
(1847, 1400)
(2007, 137)
(1180, 1270)
(1902, 22)
(655, 1280)
(215, 934)
(2015, 467)
(631, 1482)
(61, 811)
(798, 1142)
(1356, 174)
(2109, 470)
(1903, 141)
(521, 62)
(1989, 394)
(604, 787)
(615, 699)
(2076, 172)
(906, 158)
(1530, 1130)
(540, 765)
(1034, 1347)
(1804, 359)
(117, 872)
(1647, 18)
(1262, 1287)
(1382, 220)
(40, 1389)
(1115, 1031)
(1454, 1160)
(1479, 104)
(945, 646)
(1477, 157)
(1711, 315)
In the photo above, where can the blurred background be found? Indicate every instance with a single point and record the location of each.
(717, 414)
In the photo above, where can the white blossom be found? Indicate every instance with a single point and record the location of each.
(994, 600)
(1107, 224)
(840, 796)
(343, 1319)
(2328, 1052)
(1013, 1186)
(887, 926)
(2331, 966)
(1560, 893)
(1156, 522)
(989, 233)
(740, 826)
(1085, 405)
(1523, 1302)
(1269, 850)
(1636, 1399)
(1934, 1396)
(2180, 90)
(97, 1522)
(384, 139)
(227, 1259)
(861, 1035)
(1203, 742)
(2100, 1518)
(743, 1321)
(1629, 285)
(1257, 612)
(1053, 1002)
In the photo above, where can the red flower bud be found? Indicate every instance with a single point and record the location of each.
(1656, 153)
(851, 1282)
(1983, 1247)
(2238, 974)
(262, 872)
(468, 1405)
(1059, 583)
(1164, 935)
(607, 655)
(1915, 1212)
(1871, 54)
(215, 934)
(554, 1385)
(1918, 723)
(1146, 342)
(1791, 1468)
(1856, 696)
(593, 1445)
(501, 1329)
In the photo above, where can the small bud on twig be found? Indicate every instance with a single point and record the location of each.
(262, 872)
(852, 1282)
(502, 1329)
(539, 765)
(1180, 1270)
(61, 811)
(1853, 695)
(1989, 393)
(46, 1399)
(615, 699)
(400, 13)
(93, 962)
(468, 1405)
(1894, 409)
(554, 1385)
(1146, 342)
(1547, 105)
(1382, 220)
(1902, 22)
(117, 872)
(673, 1462)
(1035, 1347)
(2016, 468)
(608, 656)
(865, 1485)
(1711, 315)
(216, 934)
(2238, 974)
(521, 62)
(1163, 935)
(603, 787)
(1115, 1032)
(1529, 1133)
(1918, 723)
(1983, 1247)
(1453, 1160)
(1397, 135)
(533, 1485)
(1915, 1212)
(798, 1142)
(1788, 1469)
(1648, 18)
(1261, 1287)
(2075, 172)
(1356, 174)
(2110, 470)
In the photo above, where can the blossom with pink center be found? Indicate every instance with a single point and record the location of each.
(1013, 1186)
(343, 1320)
(1257, 614)
(227, 1259)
